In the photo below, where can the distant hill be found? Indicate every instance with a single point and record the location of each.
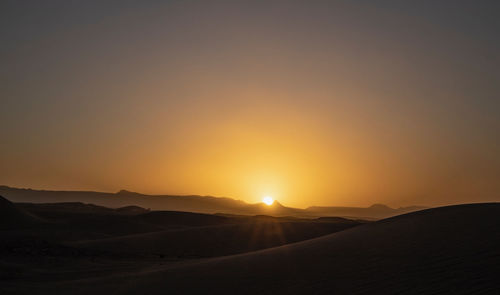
(79, 207)
(193, 203)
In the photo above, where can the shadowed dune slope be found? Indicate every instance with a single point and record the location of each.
(12, 217)
(447, 250)
(216, 240)
(183, 218)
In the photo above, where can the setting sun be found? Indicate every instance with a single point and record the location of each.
(268, 200)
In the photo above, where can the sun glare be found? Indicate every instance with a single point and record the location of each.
(268, 200)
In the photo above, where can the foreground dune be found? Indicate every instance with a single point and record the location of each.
(211, 241)
(447, 250)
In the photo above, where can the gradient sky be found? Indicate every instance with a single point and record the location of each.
(312, 102)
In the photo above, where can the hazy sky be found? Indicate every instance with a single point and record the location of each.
(312, 102)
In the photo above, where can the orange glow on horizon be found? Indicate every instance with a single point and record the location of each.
(314, 105)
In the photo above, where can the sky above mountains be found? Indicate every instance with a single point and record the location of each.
(311, 102)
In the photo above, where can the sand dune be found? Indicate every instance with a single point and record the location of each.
(77, 240)
(448, 250)
(12, 217)
(215, 240)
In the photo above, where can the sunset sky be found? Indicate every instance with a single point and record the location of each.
(343, 103)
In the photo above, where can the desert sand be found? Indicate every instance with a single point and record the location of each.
(446, 250)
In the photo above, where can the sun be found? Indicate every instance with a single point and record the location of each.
(268, 200)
